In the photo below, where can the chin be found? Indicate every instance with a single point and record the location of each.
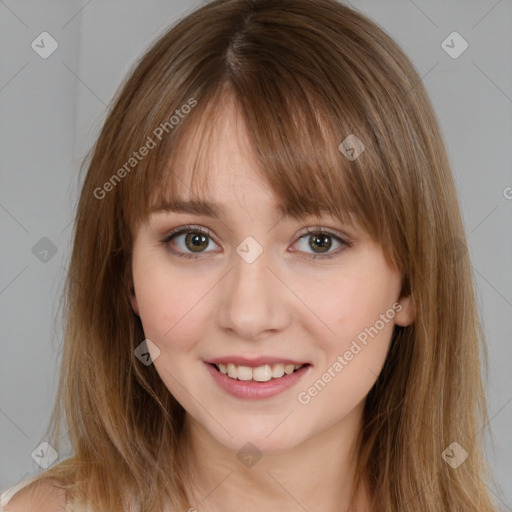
(267, 440)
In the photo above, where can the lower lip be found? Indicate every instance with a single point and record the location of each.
(256, 390)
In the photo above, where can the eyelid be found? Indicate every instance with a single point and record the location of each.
(188, 227)
(343, 240)
(342, 237)
(310, 230)
(185, 229)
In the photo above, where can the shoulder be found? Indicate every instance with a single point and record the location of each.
(40, 495)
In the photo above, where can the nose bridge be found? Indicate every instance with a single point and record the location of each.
(254, 302)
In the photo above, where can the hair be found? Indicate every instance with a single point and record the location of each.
(305, 75)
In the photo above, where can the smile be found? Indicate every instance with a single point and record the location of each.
(259, 373)
(256, 382)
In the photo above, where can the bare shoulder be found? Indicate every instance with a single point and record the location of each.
(39, 496)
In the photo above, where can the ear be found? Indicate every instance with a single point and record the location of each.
(133, 301)
(405, 312)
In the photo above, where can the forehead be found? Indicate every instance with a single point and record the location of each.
(217, 210)
(215, 164)
(217, 142)
(219, 162)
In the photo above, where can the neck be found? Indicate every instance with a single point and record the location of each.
(317, 474)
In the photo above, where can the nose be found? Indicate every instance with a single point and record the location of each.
(255, 301)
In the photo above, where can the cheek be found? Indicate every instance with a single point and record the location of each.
(353, 356)
(351, 305)
(169, 303)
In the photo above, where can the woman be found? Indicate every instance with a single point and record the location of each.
(215, 359)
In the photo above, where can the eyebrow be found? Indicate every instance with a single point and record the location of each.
(210, 209)
(205, 208)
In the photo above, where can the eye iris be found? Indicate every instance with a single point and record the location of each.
(323, 242)
(198, 240)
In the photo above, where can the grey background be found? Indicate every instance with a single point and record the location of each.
(52, 110)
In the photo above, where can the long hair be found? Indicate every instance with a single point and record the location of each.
(318, 84)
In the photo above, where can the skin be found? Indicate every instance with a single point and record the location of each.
(284, 304)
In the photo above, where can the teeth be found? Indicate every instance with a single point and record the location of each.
(258, 374)
(261, 373)
(277, 370)
(244, 373)
(289, 369)
(232, 371)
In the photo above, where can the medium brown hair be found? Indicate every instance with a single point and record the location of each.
(305, 75)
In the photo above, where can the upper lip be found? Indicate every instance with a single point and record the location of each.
(254, 362)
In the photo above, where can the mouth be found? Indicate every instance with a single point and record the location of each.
(262, 373)
(256, 382)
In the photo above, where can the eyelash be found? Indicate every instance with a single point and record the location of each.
(199, 230)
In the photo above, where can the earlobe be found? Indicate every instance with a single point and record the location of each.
(405, 314)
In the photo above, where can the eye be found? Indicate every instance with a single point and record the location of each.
(322, 241)
(196, 240)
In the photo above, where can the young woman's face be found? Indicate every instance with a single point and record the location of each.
(251, 292)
